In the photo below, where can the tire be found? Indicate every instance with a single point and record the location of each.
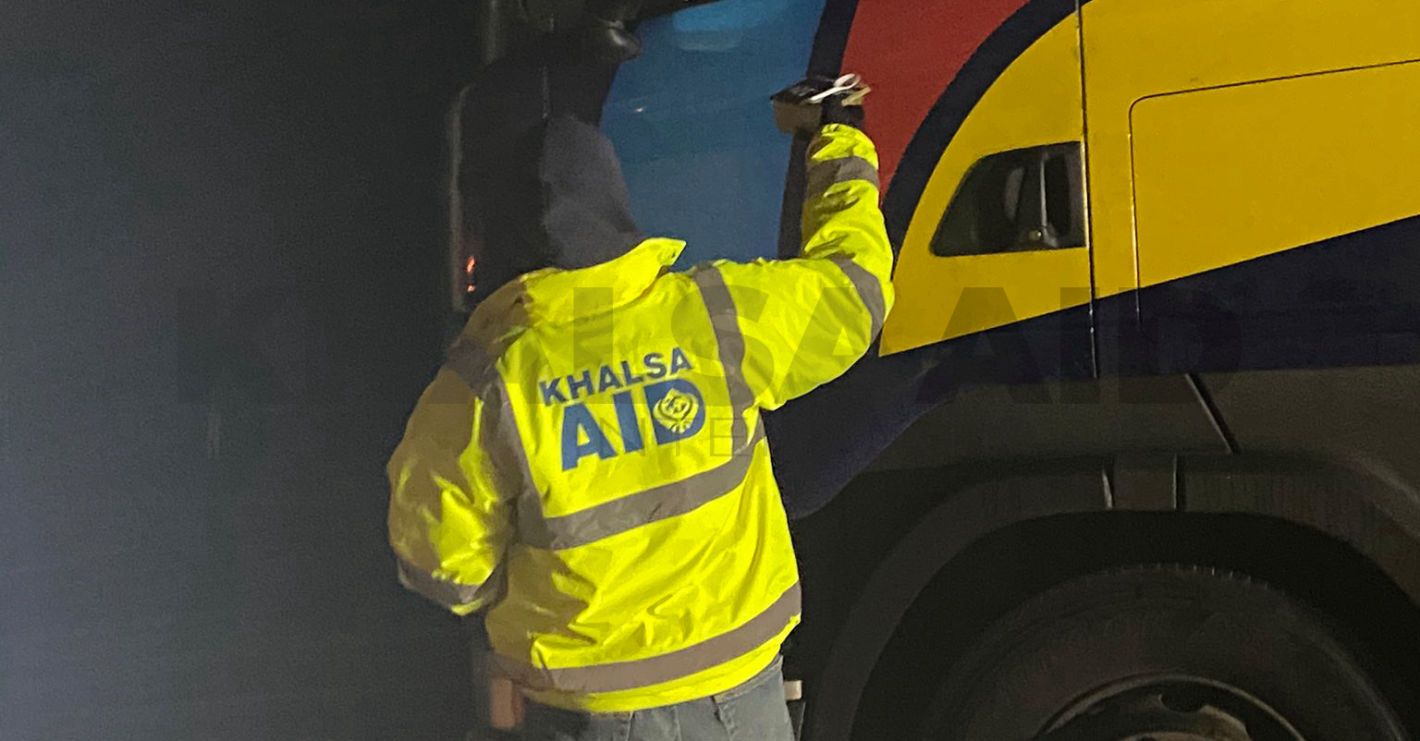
(1047, 670)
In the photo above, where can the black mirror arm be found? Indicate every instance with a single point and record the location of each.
(1033, 228)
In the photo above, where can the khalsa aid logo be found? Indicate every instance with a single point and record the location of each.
(677, 408)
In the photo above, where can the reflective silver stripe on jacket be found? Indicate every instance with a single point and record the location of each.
(677, 497)
(442, 591)
(827, 173)
(499, 437)
(476, 367)
(471, 363)
(642, 508)
(626, 675)
(724, 318)
(869, 290)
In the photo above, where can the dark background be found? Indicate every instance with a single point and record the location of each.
(220, 254)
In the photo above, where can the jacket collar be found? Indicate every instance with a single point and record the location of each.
(555, 295)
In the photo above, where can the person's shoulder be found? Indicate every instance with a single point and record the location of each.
(757, 271)
(726, 266)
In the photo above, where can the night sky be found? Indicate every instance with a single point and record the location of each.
(220, 246)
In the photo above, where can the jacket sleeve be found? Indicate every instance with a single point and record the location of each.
(807, 320)
(449, 523)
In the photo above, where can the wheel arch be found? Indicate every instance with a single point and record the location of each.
(1352, 505)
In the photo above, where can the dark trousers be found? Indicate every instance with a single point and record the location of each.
(753, 711)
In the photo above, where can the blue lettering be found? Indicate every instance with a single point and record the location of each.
(677, 409)
(576, 421)
(626, 420)
(584, 383)
(550, 392)
(608, 379)
(629, 377)
(678, 361)
(655, 365)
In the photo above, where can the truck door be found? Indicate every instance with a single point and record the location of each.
(995, 258)
(1247, 170)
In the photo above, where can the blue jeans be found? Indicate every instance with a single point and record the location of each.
(753, 711)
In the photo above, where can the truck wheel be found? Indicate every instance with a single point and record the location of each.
(1161, 653)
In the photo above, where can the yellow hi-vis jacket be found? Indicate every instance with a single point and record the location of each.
(590, 463)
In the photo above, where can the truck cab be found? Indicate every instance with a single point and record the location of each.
(1135, 453)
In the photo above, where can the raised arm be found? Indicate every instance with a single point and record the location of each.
(808, 319)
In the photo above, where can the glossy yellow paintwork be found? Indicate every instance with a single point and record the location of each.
(1036, 101)
(1230, 174)
(1138, 49)
(1247, 127)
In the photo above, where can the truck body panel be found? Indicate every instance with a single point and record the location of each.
(1178, 320)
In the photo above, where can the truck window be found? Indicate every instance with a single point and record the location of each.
(1021, 200)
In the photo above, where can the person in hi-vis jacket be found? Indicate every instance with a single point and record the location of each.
(589, 468)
